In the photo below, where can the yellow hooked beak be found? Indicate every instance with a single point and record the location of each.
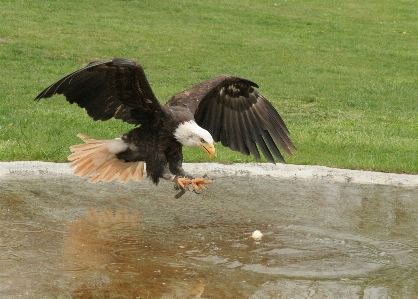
(209, 149)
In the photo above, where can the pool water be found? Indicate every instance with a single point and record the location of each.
(61, 237)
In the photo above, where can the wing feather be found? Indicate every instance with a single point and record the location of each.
(115, 88)
(224, 138)
(237, 134)
(238, 116)
(254, 123)
(251, 136)
(244, 141)
(274, 129)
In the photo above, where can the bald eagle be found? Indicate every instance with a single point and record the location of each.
(225, 108)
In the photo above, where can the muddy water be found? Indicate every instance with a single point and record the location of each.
(61, 237)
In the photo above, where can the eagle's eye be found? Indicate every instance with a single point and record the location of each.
(202, 140)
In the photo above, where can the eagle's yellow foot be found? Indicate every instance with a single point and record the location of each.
(182, 183)
(199, 183)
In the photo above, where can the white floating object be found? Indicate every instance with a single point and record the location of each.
(256, 235)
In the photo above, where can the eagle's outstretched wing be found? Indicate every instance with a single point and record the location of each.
(109, 88)
(237, 115)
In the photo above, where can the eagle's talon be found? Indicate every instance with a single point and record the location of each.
(195, 185)
(198, 183)
(182, 183)
(202, 187)
(180, 194)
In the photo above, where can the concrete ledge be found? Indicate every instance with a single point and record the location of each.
(285, 171)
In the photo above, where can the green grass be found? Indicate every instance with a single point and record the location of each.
(343, 74)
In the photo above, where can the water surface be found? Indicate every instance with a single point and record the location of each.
(61, 237)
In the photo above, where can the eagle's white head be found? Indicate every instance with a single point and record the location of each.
(191, 134)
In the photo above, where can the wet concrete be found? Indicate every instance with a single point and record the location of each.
(61, 237)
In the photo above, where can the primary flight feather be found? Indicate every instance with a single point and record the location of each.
(225, 108)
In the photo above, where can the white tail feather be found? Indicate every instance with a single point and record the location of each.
(97, 158)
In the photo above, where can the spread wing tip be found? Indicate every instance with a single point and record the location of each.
(43, 95)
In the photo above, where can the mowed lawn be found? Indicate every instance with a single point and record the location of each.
(342, 74)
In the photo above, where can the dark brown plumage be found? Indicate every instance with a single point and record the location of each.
(237, 115)
(226, 106)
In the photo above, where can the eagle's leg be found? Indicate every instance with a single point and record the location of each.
(175, 159)
(182, 179)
